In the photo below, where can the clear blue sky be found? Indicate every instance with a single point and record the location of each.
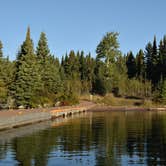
(80, 24)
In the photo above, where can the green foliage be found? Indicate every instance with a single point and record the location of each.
(3, 92)
(136, 88)
(140, 65)
(38, 79)
(148, 61)
(42, 49)
(27, 80)
(49, 71)
(108, 48)
(6, 77)
(1, 46)
(163, 92)
(119, 77)
(131, 65)
(101, 83)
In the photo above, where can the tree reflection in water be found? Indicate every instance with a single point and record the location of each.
(100, 138)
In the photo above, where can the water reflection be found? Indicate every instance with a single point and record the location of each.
(101, 138)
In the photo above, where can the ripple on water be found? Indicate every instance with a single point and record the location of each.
(101, 138)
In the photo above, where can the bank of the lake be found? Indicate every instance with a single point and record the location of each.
(15, 118)
(100, 107)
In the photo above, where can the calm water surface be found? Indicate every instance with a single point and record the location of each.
(99, 138)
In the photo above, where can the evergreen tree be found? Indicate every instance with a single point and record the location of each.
(83, 69)
(49, 71)
(66, 67)
(42, 48)
(27, 79)
(1, 52)
(148, 60)
(140, 65)
(154, 53)
(161, 60)
(3, 88)
(100, 83)
(131, 65)
(74, 65)
(162, 57)
(6, 77)
(155, 61)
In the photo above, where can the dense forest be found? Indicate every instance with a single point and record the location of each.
(38, 79)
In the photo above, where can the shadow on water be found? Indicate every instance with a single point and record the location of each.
(100, 138)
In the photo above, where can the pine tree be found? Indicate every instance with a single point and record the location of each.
(155, 57)
(155, 62)
(161, 60)
(89, 72)
(49, 69)
(66, 67)
(131, 65)
(83, 68)
(42, 48)
(27, 79)
(74, 65)
(140, 65)
(148, 60)
(1, 52)
(3, 72)
(101, 83)
(161, 72)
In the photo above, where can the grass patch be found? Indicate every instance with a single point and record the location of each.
(111, 100)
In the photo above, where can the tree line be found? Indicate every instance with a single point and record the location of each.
(38, 79)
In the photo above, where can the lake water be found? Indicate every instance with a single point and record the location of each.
(98, 138)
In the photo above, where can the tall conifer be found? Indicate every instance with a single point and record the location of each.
(1, 52)
(27, 80)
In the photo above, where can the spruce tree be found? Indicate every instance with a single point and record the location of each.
(163, 52)
(74, 65)
(1, 52)
(148, 60)
(155, 62)
(140, 65)
(131, 65)
(82, 66)
(42, 48)
(27, 79)
(101, 83)
(49, 70)
(3, 72)
(155, 57)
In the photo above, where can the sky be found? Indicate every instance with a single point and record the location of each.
(81, 24)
